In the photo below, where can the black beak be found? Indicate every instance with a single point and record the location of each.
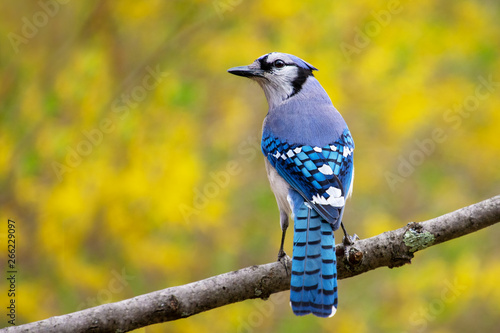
(246, 71)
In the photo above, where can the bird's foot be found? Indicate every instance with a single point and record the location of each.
(349, 240)
(281, 254)
(282, 258)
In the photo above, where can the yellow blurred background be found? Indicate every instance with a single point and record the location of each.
(130, 159)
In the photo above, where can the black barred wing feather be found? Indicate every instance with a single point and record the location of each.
(322, 175)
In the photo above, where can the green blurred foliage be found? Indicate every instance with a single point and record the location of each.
(111, 170)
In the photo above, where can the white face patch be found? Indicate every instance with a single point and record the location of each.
(277, 85)
(277, 82)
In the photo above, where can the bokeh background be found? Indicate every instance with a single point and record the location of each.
(130, 159)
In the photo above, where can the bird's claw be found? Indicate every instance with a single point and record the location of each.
(349, 240)
(282, 258)
(281, 255)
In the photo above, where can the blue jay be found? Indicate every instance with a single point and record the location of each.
(309, 162)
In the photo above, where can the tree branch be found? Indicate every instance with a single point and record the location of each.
(392, 249)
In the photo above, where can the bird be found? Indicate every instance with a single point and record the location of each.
(308, 152)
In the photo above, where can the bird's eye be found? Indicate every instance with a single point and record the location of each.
(279, 63)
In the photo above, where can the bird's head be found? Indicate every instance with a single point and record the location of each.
(280, 75)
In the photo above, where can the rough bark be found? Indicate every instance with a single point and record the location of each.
(392, 249)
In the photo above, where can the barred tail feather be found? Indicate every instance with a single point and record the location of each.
(314, 265)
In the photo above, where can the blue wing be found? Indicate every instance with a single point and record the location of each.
(322, 175)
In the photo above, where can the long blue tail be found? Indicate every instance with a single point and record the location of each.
(314, 266)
